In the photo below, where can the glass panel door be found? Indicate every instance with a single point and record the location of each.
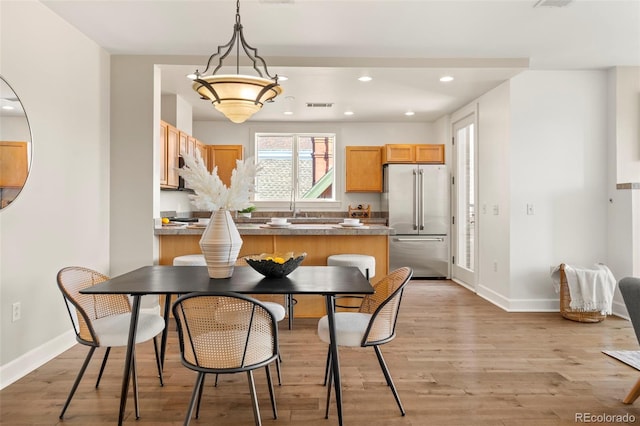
(464, 200)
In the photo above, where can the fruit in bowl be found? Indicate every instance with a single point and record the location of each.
(275, 265)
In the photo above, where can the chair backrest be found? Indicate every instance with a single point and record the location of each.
(224, 331)
(89, 307)
(630, 289)
(384, 306)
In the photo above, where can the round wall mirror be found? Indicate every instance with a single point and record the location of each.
(15, 145)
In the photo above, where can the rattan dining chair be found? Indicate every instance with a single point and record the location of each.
(373, 325)
(103, 321)
(225, 333)
(630, 289)
(278, 312)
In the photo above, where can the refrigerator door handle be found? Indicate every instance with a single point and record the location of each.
(416, 205)
(421, 200)
(418, 239)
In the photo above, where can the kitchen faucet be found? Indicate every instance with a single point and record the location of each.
(292, 203)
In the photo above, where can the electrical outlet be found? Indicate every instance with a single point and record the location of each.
(16, 312)
(530, 209)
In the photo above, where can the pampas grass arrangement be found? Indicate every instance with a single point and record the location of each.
(210, 192)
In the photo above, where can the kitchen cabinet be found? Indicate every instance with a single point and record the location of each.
(13, 164)
(202, 148)
(162, 150)
(430, 154)
(307, 306)
(171, 145)
(224, 158)
(413, 153)
(168, 146)
(363, 169)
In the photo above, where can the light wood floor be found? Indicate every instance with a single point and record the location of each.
(457, 360)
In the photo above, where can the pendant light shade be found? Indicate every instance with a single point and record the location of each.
(237, 96)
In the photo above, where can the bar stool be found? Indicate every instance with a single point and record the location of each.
(366, 264)
(189, 260)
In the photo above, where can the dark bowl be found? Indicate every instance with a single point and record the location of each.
(275, 265)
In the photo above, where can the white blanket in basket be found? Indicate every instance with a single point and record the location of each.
(590, 289)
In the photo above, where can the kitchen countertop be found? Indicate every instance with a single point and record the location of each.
(293, 229)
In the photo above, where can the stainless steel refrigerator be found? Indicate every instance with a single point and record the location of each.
(416, 199)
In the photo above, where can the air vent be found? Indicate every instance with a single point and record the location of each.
(319, 105)
(552, 3)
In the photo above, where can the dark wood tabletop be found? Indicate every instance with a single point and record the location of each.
(322, 280)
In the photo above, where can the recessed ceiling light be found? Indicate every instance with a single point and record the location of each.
(365, 78)
(348, 113)
(409, 113)
(9, 107)
(446, 79)
(288, 113)
(283, 78)
(192, 76)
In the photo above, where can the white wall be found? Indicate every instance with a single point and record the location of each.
(494, 194)
(558, 164)
(61, 217)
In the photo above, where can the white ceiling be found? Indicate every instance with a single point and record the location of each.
(323, 46)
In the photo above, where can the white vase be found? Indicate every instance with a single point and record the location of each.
(220, 243)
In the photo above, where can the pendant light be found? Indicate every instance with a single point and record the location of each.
(237, 96)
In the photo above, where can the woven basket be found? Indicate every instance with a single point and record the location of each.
(565, 304)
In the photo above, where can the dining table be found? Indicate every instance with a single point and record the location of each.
(327, 281)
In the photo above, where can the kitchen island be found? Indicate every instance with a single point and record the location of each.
(318, 240)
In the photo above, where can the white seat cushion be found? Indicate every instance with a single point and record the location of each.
(190, 260)
(276, 309)
(114, 330)
(363, 262)
(350, 328)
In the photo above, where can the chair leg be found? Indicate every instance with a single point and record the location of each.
(254, 398)
(158, 360)
(271, 394)
(326, 367)
(104, 363)
(78, 378)
(278, 370)
(634, 393)
(200, 395)
(216, 382)
(328, 382)
(387, 376)
(196, 390)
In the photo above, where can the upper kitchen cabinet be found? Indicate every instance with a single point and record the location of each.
(224, 158)
(172, 144)
(169, 146)
(399, 153)
(14, 165)
(430, 154)
(413, 153)
(364, 169)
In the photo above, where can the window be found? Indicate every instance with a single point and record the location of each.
(295, 166)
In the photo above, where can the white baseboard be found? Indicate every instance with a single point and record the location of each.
(531, 305)
(20, 367)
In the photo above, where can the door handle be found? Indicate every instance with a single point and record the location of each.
(416, 204)
(421, 199)
(440, 240)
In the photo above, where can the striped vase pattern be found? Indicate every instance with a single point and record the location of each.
(220, 243)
